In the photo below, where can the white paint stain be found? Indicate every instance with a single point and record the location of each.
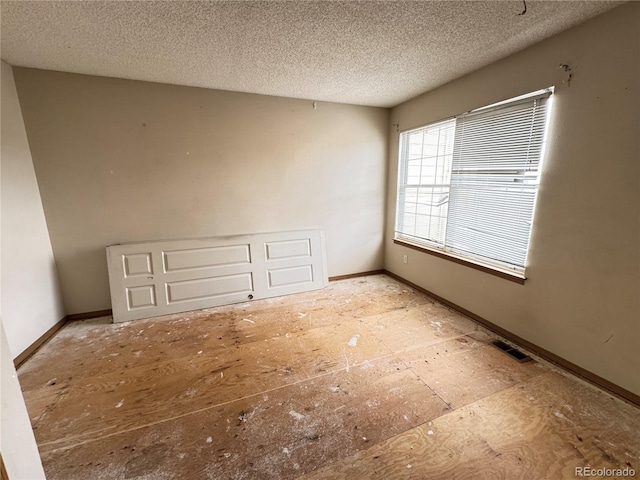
(373, 403)
(354, 341)
(200, 352)
(120, 403)
(302, 315)
(409, 466)
(247, 320)
(296, 415)
(366, 364)
(430, 432)
(209, 439)
(406, 418)
(334, 389)
(559, 415)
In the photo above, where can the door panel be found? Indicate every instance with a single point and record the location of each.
(290, 276)
(288, 249)
(209, 287)
(141, 297)
(206, 257)
(137, 265)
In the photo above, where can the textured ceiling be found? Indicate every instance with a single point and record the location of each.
(377, 53)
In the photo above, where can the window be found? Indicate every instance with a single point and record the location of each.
(467, 186)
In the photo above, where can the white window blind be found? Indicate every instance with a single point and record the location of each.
(468, 185)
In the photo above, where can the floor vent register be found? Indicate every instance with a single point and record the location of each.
(512, 352)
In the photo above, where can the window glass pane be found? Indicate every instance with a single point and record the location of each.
(423, 189)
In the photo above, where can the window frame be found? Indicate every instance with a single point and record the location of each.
(441, 251)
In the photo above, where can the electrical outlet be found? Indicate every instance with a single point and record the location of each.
(405, 259)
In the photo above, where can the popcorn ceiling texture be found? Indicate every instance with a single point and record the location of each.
(366, 52)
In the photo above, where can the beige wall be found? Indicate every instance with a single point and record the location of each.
(121, 161)
(582, 297)
(30, 294)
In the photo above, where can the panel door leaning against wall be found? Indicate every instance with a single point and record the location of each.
(148, 279)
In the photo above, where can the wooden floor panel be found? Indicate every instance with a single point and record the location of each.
(465, 369)
(417, 326)
(276, 430)
(542, 428)
(363, 379)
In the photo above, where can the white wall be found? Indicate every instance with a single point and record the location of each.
(582, 297)
(30, 296)
(120, 161)
(17, 443)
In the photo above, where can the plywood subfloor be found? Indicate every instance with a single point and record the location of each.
(364, 379)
